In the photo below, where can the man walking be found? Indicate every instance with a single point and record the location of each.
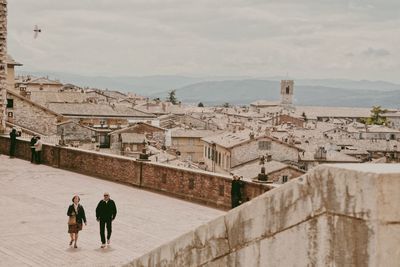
(38, 150)
(105, 214)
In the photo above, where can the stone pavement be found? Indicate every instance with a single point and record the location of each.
(33, 225)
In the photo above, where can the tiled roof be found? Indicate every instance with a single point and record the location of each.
(192, 133)
(252, 169)
(89, 109)
(265, 103)
(133, 138)
(44, 97)
(337, 112)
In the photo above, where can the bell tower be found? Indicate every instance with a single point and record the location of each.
(287, 87)
(3, 64)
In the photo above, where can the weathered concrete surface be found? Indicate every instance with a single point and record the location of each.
(336, 215)
(33, 224)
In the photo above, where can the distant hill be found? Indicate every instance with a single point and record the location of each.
(244, 90)
(247, 91)
(146, 85)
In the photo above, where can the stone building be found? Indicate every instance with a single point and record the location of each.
(188, 143)
(37, 84)
(276, 171)
(367, 132)
(11, 63)
(75, 134)
(393, 119)
(3, 65)
(155, 135)
(310, 159)
(132, 144)
(30, 115)
(228, 150)
(200, 123)
(289, 120)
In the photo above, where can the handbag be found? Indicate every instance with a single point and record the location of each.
(72, 220)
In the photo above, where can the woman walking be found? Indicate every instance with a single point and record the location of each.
(76, 215)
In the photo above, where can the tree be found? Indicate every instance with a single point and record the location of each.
(172, 97)
(226, 105)
(376, 116)
(200, 105)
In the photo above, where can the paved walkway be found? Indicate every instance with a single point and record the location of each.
(33, 224)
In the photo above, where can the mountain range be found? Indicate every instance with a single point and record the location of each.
(244, 90)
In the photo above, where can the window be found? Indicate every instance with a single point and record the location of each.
(287, 90)
(205, 151)
(264, 145)
(10, 103)
(209, 153)
(284, 179)
(219, 159)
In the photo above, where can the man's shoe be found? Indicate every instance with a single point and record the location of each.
(103, 245)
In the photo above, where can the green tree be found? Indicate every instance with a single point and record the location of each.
(172, 97)
(200, 105)
(376, 116)
(226, 105)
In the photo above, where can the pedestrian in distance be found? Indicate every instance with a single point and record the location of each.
(77, 217)
(236, 191)
(105, 214)
(32, 144)
(38, 150)
(13, 142)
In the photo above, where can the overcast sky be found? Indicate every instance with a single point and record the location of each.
(356, 39)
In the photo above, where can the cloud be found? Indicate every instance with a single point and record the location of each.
(228, 37)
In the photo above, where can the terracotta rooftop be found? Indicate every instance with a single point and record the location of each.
(178, 132)
(252, 169)
(89, 109)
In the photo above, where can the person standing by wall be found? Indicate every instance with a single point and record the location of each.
(38, 150)
(77, 216)
(13, 142)
(32, 144)
(105, 214)
(236, 191)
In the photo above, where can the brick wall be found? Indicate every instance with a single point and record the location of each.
(198, 186)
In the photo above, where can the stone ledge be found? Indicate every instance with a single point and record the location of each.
(335, 215)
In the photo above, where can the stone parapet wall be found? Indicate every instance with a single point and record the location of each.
(198, 186)
(336, 215)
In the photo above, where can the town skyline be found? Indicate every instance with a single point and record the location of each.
(201, 39)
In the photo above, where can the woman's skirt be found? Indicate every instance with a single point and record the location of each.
(74, 228)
